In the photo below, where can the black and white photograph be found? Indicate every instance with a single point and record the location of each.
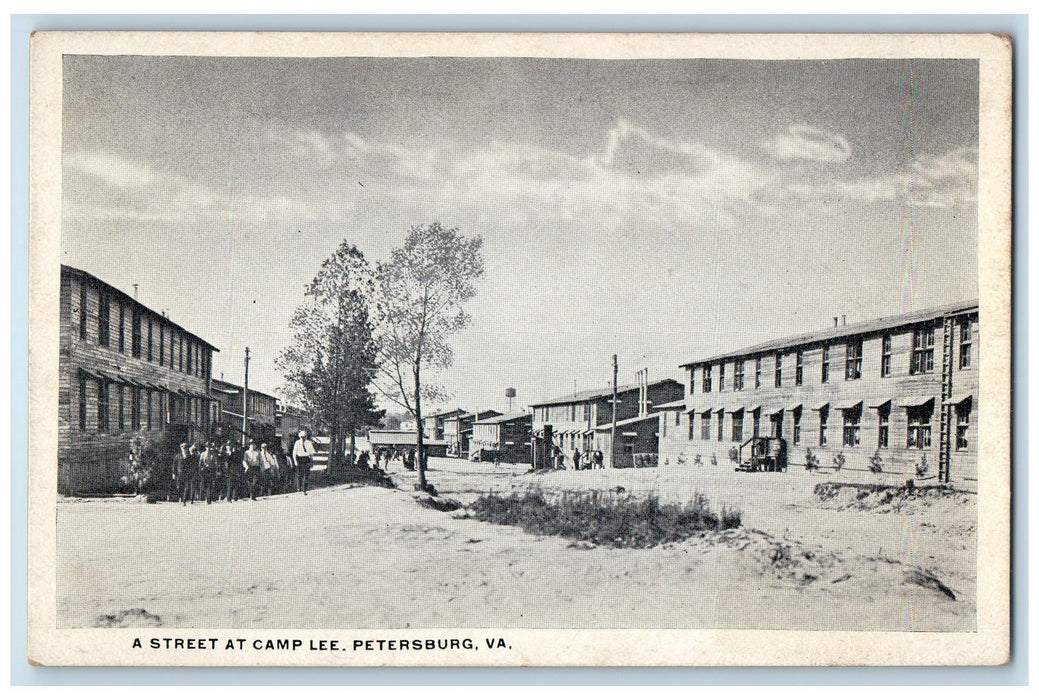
(440, 350)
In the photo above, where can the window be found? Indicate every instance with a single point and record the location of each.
(180, 353)
(149, 395)
(885, 357)
(692, 425)
(191, 353)
(149, 340)
(757, 423)
(923, 351)
(852, 422)
(797, 426)
(824, 416)
(707, 379)
(692, 381)
(884, 421)
(777, 424)
(103, 314)
(799, 368)
(82, 312)
(779, 369)
(737, 426)
(120, 397)
(705, 425)
(757, 372)
(162, 344)
(573, 412)
(721, 425)
(826, 364)
(853, 359)
(965, 342)
(135, 341)
(82, 402)
(919, 433)
(737, 376)
(678, 417)
(962, 425)
(721, 377)
(122, 328)
(135, 408)
(102, 405)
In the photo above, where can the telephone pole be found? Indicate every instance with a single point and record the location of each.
(613, 426)
(245, 403)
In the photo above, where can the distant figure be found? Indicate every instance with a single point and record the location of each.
(189, 476)
(208, 468)
(362, 460)
(252, 467)
(229, 470)
(178, 472)
(558, 454)
(303, 454)
(577, 459)
(598, 460)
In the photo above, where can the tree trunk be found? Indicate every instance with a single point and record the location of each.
(353, 448)
(420, 446)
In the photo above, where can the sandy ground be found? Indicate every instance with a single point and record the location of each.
(368, 557)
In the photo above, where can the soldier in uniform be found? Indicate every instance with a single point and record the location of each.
(252, 468)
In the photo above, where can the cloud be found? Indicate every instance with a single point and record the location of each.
(936, 181)
(803, 142)
(111, 169)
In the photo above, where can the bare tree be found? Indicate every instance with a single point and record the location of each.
(422, 290)
(330, 365)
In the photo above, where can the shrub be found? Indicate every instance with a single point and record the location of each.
(714, 460)
(876, 463)
(604, 518)
(922, 467)
(811, 460)
(838, 461)
(698, 461)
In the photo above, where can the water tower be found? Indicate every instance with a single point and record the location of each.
(510, 394)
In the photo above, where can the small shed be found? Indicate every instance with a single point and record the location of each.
(502, 439)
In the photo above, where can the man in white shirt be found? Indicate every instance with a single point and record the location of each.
(303, 455)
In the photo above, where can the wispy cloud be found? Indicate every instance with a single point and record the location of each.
(803, 142)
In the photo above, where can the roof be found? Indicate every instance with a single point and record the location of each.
(446, 414)
(670, 404)
(507, 418)
(853, 329)
(67, 269)
(225, 387)
(593, 394)
(628, 421)
(481, 415)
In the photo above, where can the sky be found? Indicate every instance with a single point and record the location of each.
(660, 210)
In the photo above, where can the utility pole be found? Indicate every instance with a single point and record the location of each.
(613, 426)
(245, 403)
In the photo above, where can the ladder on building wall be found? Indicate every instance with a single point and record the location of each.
(945, 429)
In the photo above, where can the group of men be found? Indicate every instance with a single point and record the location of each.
(210, 472)
(592, 459)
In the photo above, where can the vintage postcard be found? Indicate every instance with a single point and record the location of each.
(519, 349)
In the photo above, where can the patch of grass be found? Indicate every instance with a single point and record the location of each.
(604, 518)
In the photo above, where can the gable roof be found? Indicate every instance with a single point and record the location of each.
(853, 329)
(594, 394)
(507, 418)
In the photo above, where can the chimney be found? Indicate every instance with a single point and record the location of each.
(844, 319)
(834, 321)
(135, 285)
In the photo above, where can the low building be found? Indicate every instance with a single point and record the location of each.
(263, 410)
(400, 440)
(433, 425)
(288, 421)
(503, 438)
(459, 429)
(569, 422)
(124, 370)
(896, 396)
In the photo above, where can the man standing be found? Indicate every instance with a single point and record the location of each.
(577, 460)
(178, 472)
(251, 465)
(303, 454)
(188, 476)
(271, 469)
(208, 463)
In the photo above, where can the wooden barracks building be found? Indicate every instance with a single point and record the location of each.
(902, 388)
(583, 421)
(263, 412)
(124, 370)
(505, 438)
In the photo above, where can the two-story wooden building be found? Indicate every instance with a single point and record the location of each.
(433, 425)
(458, 430)
(124, 370)
(570, 422)
(504, 438)
(263, 412)
(898, 394)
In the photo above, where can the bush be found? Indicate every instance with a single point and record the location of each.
(811, 460)
(876, 463)
(714, 460)
(698, 460)
(148, 464)
(922, 467)
(604, 518)
(838, 461)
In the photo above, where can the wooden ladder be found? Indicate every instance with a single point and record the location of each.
(945, 430)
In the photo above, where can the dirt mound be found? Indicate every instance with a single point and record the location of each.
(884, 498)
(780, 559)
(134, 617)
